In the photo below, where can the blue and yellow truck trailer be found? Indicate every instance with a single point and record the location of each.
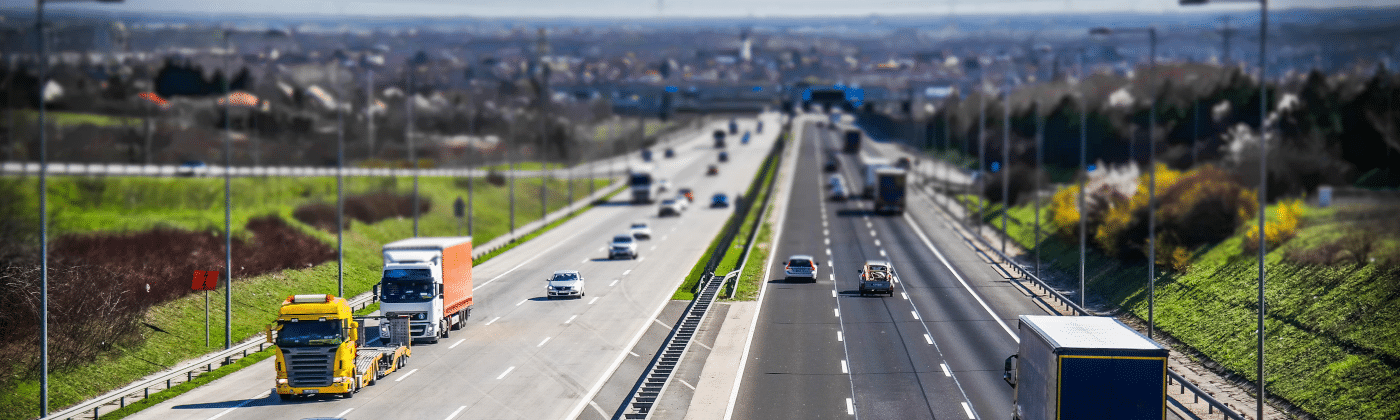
(1086, 367)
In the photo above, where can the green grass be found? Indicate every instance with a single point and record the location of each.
(1331, 345)
(74, 119)
(730, 261)
(197, 382)
(751, 280)
(86, 205)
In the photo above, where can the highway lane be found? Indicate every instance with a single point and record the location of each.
(930, 351)
(521, 355)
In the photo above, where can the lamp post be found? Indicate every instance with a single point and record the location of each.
(1151, 167)
(1083, 166)
(1263, 175)
(44, 210)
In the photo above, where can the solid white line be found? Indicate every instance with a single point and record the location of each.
(522, 302)
(571, 319)
(454, 345)
(837, 311)
(541, 344)
(930, 246)
(928, 339)
(343, 413)
(598, 385)
(968, 409)
(627, 272)
(260, 396)
(906, 295)
(844, 369)
(838, 336)
(850, 408)
(614, 282)
(916, 314)
(946, 372)
(507, 372)
(401, 378)
(590, 302)
(492, 320)
(455, 413)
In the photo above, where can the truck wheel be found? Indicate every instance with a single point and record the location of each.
(445, 327)
(375, 375)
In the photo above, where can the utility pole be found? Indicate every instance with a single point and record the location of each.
(408, 137)
(1226, 32)
(981, 154)
(1083, 176)
(228, 206)
(339, 182)
(541, 50)
(1039, 168)
(1006, 162)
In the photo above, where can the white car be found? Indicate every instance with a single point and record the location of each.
(641, 230)
(622, 246)
(670, 208)
(801, 266)
(565, 283)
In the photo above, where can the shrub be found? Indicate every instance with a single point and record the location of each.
(1064, 211)
(1204, 206)
(1124, 224)
(1277, 231)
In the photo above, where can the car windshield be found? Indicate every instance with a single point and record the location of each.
(639, 225)
(622, 239)
(405, 291)
(564, 277)
(309, 333)
(668, 202)
(800, 263)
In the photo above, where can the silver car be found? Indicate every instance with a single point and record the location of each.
(565, 283)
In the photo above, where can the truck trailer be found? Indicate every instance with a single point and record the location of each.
(1085, 367)
(320, 349)
(889, 190)
(642, 183)
(852, 142)
(428, 279)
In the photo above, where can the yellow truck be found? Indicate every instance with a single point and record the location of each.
(320, 348)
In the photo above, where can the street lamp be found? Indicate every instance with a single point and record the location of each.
(1263, 173)
(44, 208)
(1151, 166)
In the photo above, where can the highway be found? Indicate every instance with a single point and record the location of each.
(933, 350)
(522, 356)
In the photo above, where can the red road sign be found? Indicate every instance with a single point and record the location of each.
(205, 280)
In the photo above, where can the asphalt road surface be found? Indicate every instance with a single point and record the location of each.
(933, 350)
(522, 356)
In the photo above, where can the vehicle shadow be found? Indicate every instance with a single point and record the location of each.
(854, 213)
(265, 400)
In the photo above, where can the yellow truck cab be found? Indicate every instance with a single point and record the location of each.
(319, 349)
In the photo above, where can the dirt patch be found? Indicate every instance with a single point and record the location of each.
(101, 285)
(367, 208)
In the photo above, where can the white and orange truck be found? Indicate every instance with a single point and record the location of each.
(321, 350)
(429, 280)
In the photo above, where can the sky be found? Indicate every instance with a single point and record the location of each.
(663, 8)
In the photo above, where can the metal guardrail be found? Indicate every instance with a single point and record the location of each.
(1212, 403)
(205, 364)
(187, 372)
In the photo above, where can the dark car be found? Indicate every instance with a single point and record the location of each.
(712, 171)
(669, 153)
(831, 164)
(719, 200)
(723, 156)
(689, 195)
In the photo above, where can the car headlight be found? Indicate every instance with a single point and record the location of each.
(281, 381)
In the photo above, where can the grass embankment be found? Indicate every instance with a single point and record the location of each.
(1332, 347)
(65, 119)
(116, 204)
(757, 191)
